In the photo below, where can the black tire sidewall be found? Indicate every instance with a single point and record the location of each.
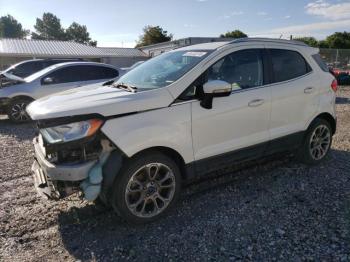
(130, 167)
(306, 154)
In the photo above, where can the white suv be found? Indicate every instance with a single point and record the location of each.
(134, 142)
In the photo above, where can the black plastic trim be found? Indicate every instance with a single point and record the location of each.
(287, 143)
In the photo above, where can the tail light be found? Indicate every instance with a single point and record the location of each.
(334, 85)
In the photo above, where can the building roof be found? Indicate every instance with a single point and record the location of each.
(53, 48)
(121, 51)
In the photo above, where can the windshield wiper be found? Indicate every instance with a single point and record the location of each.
(127, 87)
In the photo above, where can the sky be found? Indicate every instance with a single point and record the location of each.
(119, 23)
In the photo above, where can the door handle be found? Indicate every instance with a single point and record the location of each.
(308, 90)
(256, 102)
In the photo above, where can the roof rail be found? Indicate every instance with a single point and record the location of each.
(271, 40)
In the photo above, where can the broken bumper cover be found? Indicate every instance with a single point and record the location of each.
(47, 175)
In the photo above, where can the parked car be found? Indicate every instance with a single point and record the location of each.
(133, 143)
(343, 78)
(29, 67)
(16, 92)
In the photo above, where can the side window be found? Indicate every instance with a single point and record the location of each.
(66, 75)
(102, 72)
(320, 62)
(287, 64)
(242, 69)
(27, 68)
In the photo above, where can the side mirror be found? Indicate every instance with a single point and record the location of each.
(214, 88)
(48, 80)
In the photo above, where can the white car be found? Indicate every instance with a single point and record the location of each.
(181, 115)
(16, 92)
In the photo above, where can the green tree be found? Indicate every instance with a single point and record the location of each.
(153, 35)
(49, 28)
(11, 28)
(323, 44)
(78, 33)
(311, 41)
(339, 40)
(234, 34)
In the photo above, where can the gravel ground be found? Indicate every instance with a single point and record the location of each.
(276, 210)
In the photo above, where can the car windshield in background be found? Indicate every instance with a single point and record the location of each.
(163, 70)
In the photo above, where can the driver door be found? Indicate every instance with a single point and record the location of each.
(237, 126)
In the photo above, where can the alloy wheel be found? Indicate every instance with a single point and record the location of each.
(18, 112)
(319, 142)
(150, 190)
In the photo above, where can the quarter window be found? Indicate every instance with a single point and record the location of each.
(242, 69)
(287, 64)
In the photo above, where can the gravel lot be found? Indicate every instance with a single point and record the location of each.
(276, 210)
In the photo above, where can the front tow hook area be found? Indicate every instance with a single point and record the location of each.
(42, 185)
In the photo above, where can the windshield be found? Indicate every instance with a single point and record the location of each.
(163, 70)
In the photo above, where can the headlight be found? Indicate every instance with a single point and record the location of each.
(71, 132)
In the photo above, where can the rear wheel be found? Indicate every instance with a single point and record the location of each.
(146, 188)
(17, 110)
(317, 143)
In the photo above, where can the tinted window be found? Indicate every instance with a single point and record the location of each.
(320, 62)
(288, 64)
(242, 69)
(26, 69)
(81, 73)
(101, 72)
(67, 74)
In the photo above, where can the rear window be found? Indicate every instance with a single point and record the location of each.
(320, 62)
(288, 65)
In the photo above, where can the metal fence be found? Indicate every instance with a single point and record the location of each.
(336, 58)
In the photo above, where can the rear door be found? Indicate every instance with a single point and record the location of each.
(294, 92)
(96, 73)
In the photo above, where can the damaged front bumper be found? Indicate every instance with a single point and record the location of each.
(55, 181)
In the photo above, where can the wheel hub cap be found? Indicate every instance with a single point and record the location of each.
(150, 190)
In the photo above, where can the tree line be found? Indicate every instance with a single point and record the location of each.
(49, 28)
(338, 40)
(46, 28)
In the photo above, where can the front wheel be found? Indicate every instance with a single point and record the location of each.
(317, 142)
(17, 110)
(146, 188)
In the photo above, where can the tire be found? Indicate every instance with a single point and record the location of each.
(146, 188)
(16, 110)
(320, 130)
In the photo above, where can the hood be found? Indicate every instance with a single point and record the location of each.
(12, 77)
(97, 99)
